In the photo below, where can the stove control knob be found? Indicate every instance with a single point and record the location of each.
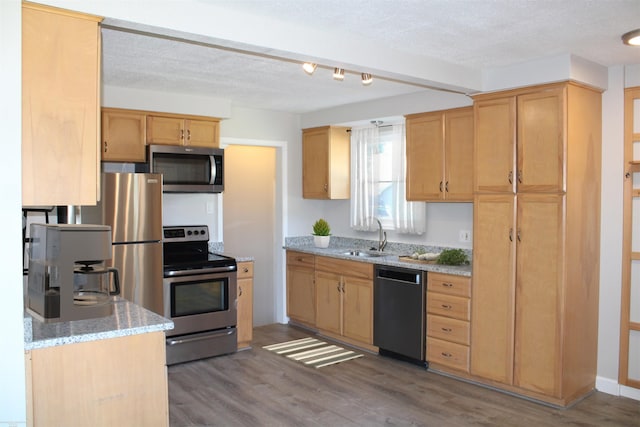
(196, 232)
(189, 233)
(202, 232)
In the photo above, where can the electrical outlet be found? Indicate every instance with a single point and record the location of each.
(465, 236)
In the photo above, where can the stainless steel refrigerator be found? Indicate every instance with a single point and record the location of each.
(131, 204)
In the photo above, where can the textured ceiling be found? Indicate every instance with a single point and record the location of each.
(477, 34)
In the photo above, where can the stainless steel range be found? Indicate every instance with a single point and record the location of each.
(199, 296)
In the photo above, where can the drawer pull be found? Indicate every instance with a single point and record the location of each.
(446, 329)
(447, 285)
(245, 270)
(446, 306)
(447, 355)
(240, 291)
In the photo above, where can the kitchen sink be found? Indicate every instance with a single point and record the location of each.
(364, 254)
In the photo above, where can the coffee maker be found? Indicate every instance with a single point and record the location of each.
(67, 278)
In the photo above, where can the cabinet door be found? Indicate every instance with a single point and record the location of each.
(493, 287)
(301, 295)
(202, 133)
(458, 155)
(245, 304)
(425, 157)
(495, 148)
(165, 130)
(60, 107)
(123, 136)
(541, 141)
(537, 364)
(358, 309)
(329, 302)
(315, 168)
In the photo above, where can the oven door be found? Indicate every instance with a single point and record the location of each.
(199, 303)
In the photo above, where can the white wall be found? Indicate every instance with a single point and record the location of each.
(12, 389)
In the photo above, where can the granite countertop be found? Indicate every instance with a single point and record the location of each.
(390, 256)
(127, 319)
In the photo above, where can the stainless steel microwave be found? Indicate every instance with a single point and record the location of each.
(187, 169)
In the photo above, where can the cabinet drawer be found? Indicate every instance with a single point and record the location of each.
(363, 270)
(449, 284)
(447, 305)
(448, 354)
(245, 270)
(448, 329)
(300, 259)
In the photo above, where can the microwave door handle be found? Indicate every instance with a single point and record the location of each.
(214, 169)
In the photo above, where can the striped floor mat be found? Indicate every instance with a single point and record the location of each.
(313, 352)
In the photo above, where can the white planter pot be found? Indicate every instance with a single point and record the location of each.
(321, 241)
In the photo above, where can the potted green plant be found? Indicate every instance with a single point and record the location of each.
(321, 233)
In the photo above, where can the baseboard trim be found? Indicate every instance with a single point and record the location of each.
(609, 386)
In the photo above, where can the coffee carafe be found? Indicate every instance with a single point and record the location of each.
(68, 279)
(92, 284)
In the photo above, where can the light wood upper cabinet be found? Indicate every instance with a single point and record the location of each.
(326, 163)
(495, 147)
(183, 130)
(60, 107)
(123, 135)
(440, 155)
(301, 290)
(536, 251)
(245, 304)
(520, 142)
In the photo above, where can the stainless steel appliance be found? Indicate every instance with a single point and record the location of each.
(200, 296)
(399, 313)
(67, 277)
(188, 169)
(131, 204)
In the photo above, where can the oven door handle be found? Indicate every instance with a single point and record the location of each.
(176, 341)
(198, 271)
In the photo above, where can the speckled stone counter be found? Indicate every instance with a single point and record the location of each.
(218, 248)
(127, 319)
(339, 245)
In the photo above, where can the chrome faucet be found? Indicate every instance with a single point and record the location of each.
(382, 237)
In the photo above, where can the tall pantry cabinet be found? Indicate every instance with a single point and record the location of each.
(537, 240)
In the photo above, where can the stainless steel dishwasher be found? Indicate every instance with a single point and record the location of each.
(399, 313)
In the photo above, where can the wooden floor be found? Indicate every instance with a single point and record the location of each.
(259, 388)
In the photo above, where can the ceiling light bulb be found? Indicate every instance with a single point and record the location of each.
(632, 38)
(338, 73)
(309, 67)
(366, 78)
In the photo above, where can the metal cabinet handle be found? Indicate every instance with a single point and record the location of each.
(447, 355)
(511, 234)
(446, 187)
(446, 329)
(181, 133)
(519, 240)
(105, 146)
(338, 287)
(441, 186)
(245, 270)
(520, 176)
(239, 291)
(510, 177)
(446, 306)
(188, 134)
(447, 285)
(326, 187)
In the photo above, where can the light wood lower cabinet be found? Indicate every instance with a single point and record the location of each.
(245, 304)
(344, 299)
(448, 316)
(111, 382)
(301, 290)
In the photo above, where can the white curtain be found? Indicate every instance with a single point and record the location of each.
(363, 142)
(408, 217)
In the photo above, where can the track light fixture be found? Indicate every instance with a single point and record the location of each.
(366, 78)
(309, 67)
(632, 38)
(338, 73)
